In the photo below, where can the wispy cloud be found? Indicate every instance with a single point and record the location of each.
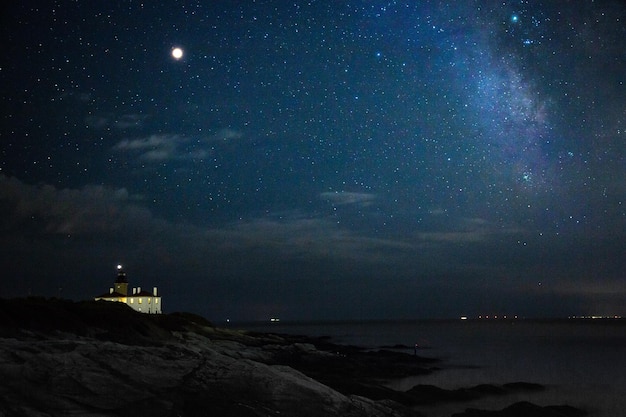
(467, 230)
(99, 212)
(225, 134)
(153, 147)
(313, 238)
(128, 121)
(341, 198)
(103, 211)
(161, 147)
(123, 122)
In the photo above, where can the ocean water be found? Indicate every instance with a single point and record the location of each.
(581, 362)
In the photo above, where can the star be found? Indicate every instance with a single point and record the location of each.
(177, 53)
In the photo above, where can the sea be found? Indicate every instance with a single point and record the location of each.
(581, 362)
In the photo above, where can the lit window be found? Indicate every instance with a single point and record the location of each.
(132, 300)
(140, 301)
(156, 301)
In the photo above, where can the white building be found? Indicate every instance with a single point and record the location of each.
(142, 301)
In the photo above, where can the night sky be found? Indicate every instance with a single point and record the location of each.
(318, 160)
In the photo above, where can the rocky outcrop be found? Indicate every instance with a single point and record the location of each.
(59, 358)
(525, 409)
(430, 394)
(186, 369)
(85, 377)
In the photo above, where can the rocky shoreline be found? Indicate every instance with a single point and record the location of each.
(60, 358)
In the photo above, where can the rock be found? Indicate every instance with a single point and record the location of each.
(59, 358)
(525, 409)
(523, 386)
(430, 394)
(87, 366)
(85, 377)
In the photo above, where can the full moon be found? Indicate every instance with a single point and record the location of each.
(177, 53)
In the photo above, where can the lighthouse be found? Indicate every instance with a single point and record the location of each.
(141, 301)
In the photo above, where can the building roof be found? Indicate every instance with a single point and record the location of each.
(141, 294)
(113, 294)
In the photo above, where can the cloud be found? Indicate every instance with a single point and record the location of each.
(63, 235)
(92, 210)
(226, 134)
(151, 142)
(162, 147)
(154, 147)
(437, 212)
(596, 287)
(83, 97)
(99, 212)
(453, 237)
(341, 198)
(97, 122)
(312, 238)
(463, 230)
(125, 121)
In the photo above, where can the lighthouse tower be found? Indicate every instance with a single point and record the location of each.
(121, 282)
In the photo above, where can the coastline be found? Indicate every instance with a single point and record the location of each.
(579, 361)
(96, 358)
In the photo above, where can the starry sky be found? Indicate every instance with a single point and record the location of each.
(318, 160)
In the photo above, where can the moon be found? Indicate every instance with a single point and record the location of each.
(177, 53)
